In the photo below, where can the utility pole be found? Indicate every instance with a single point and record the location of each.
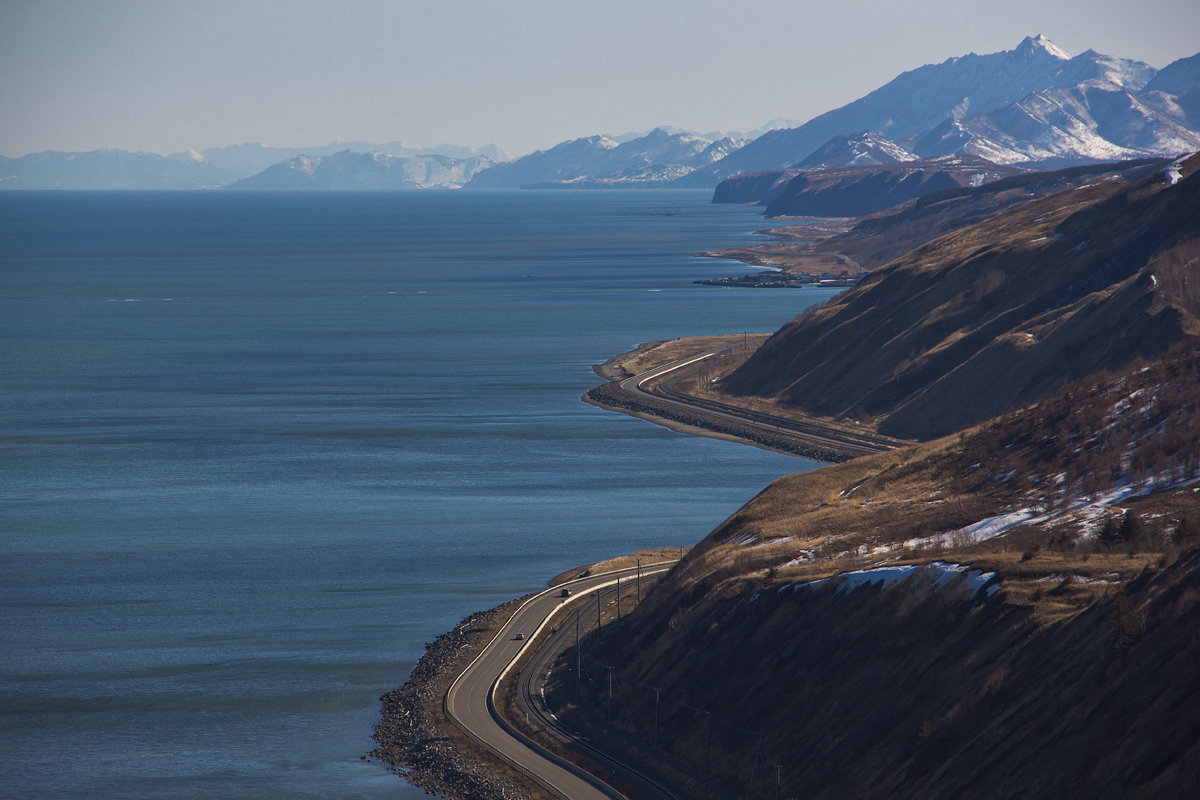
(610, 672)
(598, 633)
(778, 769)
(578, 670)
(707, 741)
(657, 697)
(639, 583)
(762, 767)
(618, 601)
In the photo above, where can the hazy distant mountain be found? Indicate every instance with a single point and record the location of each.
(657, 158)
(1032, 103)
(349, 170)
(243, 160)
(222, 166)
(107, 169)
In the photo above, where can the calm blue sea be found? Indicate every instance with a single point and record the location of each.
(257, 449)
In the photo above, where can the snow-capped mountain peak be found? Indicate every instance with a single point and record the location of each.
(1039, 43)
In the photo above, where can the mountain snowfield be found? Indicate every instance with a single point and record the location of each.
(1031, 105)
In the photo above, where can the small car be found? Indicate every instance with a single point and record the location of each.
(519, 637)
(565, 592)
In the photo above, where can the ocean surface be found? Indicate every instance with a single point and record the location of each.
(257, 449)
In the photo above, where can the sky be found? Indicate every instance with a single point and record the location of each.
(164, 76)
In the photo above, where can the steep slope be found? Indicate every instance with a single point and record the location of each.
(1082, 123)
(879, 238)
(863, 148)
(855, 191)
(998, 314)
(940, 621)
(1031, 104)
(923, 98)
(348, 170)
(753, 187)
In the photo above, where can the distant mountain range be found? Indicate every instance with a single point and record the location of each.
(219, 167)
(244, 160)
(349, 170)
(1033, 105)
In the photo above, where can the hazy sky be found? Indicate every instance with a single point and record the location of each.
(163, 76)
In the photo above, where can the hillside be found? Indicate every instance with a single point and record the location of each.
(943, 620)
(999, 314)
(859, 190)
(879, 238)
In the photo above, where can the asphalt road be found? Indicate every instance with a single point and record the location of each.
(470, 701)
(813, 432)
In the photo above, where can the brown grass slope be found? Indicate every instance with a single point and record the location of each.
(998, 314)
(1076, 678)
(879, 238)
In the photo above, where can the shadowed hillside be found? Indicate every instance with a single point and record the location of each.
(999, 314)
(951, 619)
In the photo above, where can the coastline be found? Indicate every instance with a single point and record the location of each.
(835, 443)
(610, 397)
(419, 743)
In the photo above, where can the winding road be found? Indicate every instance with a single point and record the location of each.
(470, 702)
(809, 431)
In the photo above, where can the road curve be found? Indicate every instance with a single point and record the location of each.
(470, 700)
(813, 432)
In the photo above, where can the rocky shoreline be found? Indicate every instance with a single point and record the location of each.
(418, 741)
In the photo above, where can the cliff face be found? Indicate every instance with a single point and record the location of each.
(753, 187)
(998, 314)
(854, 191)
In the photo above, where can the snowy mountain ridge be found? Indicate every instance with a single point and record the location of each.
(1032, 104)
(657, 158)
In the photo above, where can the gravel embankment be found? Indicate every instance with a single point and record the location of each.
(417, 739)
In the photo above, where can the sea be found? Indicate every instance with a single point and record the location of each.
(258, 449)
